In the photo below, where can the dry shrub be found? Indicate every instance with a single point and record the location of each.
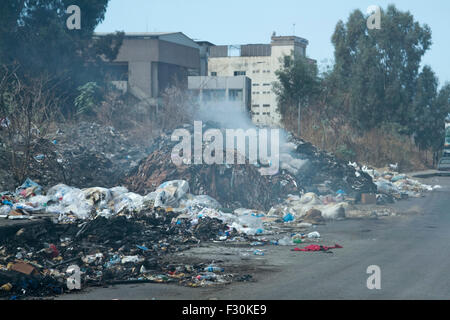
(144, 120)
(27, 110)
(377, 147)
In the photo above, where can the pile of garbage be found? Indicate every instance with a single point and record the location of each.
(114, 236)
(303, 168)
(311, 208)
(393, 185)
(93, 154)
(105, 251)
(81, 155)
(111, 235)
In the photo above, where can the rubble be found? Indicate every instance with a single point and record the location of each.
(393, 185)
(126, 234)
(311, 208)
(114, 250)
(115, 236)
(304, 168)
(82, 155)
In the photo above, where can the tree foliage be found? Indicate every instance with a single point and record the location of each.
(298, 82)
(377, 70)
(376, 79)
(34, 35)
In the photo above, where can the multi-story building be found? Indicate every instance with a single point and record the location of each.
(258, 62)
(222, 93)
(149, 62)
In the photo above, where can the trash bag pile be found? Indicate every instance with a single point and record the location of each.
(114, 236)
(106, 251)
(311, 208)
(394, 185)
(303, 168)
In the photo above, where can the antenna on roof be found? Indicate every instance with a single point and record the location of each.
(294, 29)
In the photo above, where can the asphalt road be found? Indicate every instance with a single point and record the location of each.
(412, 251)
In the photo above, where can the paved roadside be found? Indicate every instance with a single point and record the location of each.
(411, 251)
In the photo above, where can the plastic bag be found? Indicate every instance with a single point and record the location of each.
(384, 186)
(313, 235)
(202, 201)
(98, 197)
(249, 224)
(56, 193)
(4, 210)
(310, 198)
(28, 188)
(39, 201)
(333, 211)
(117, 191)
(71, 201)
(169, 193)
(130, 201)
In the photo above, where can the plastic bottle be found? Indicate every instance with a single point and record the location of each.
(258, 253)
(214, 269)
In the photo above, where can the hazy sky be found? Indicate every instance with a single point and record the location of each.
(253, 21)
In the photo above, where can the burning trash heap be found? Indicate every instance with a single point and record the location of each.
(128, 233)
(303, 168)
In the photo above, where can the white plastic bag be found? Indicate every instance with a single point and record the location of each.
(169, 193)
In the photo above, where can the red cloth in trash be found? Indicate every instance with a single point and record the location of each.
(54, 250)
(316, 247)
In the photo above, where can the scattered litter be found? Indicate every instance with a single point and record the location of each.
(315, 247)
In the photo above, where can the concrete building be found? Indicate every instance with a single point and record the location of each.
(222, 93)
(150, 62)
(258, 62)
(205, 48)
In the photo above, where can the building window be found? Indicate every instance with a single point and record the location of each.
(255, 106)
(214, 94)
(214, 74)
(239, 73)
(256, 84)
(255, 92)
(266, 105)
(266, 84)
(235, 95)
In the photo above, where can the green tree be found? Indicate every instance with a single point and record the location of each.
(298, 82)
(377, 70)
(34, 35)
(426, 110)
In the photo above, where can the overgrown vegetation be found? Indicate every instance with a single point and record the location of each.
(42, 64)
(35, 40)
(27, 109)
(375, 92)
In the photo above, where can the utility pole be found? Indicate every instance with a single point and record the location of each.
(299, 119)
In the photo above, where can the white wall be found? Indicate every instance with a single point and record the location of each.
(261, 70)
